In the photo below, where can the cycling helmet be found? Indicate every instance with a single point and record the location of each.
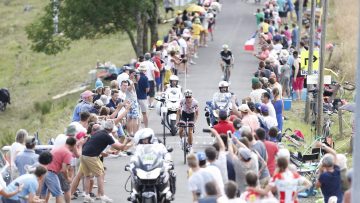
(188, 93)
(174, 78)
(225, 47)
(144, 136)
(223, 86)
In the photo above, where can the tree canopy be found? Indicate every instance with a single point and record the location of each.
(93, 18)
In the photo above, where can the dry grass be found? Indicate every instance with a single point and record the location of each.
(343, 31)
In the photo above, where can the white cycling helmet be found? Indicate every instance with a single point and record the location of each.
(174, 77)
(225, 46)
(223, 86)
(144, 136)
(188, 93)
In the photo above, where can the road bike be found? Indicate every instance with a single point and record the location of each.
(185, 146)
(226, 72)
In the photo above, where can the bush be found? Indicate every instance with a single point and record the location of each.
(43, 107)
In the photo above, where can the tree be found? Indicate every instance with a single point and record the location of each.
(91, 19)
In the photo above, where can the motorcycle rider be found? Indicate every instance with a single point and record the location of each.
(227, 58)
(147, 136)
(174, 83)
(223, 96)
(188, 112)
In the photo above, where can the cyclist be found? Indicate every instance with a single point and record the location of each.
(188, 112)
(227, 59)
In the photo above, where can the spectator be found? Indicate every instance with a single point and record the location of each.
(210, 153)
(99, 89)
(84, 105)
(271, 149)
(330, 176)
(17, 147)
(224, 125)
(248, 119)
(237, 126)
(29, 183)
(198, 178)
(278, 106)
(231, 191)
(141, 92)
(115, 100)
(58, 178)
(250, 195)
(257, 91)
(28, 157)
(90, 163)
(150, 74)
(347, 194)
(268, 121)
(274, 135)
(168, 6)
(212, 194)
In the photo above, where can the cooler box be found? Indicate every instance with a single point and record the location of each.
(287, 104)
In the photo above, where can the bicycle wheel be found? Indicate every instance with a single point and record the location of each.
(185, 144)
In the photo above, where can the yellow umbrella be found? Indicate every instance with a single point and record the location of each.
(195, 8)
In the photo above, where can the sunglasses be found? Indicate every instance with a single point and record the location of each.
(187, 97)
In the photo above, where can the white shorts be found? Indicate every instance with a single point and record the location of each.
(143, 103)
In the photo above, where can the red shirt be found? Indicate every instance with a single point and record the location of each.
(271, 149)
(60, 155)
(157, 62)
(223, 126)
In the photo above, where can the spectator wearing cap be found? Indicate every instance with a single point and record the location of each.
(265, 99)
(28, 157)
(124, 76)
(141, 92)
(60, 140)
(267, 121)
(150, 73)
(90, 163)
(243, 162)
(99, 89)
(257, 91)
(17, 147)
(198, 178)
(84, 105)
(224, 125)
(248, 118)
(330, 176)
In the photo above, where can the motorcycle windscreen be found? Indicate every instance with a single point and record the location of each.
(149, 157)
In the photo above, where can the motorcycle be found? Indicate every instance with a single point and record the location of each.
(212, 110)
(152, 176)
(167, 108)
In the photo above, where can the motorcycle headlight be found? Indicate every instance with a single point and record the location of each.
(147, 175)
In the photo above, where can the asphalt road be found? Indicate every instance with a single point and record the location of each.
(235, 24)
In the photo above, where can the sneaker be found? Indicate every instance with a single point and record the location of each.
(192, 63)
(196, 56)
(88, 199)
(95, 186)
(105, 199)
(83, 194)
(92, 195)
(151, 107)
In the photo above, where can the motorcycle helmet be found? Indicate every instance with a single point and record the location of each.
(174, 80)
(144, 136)
(223, 86)
(188, 93)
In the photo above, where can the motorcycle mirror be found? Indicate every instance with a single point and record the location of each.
(127, 167)
(170, 149)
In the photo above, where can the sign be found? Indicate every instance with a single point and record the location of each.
(313, 79)
(305, 62)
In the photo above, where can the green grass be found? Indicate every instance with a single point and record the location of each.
(34, 78)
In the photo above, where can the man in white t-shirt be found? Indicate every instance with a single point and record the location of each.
(265, 99)
(150, 74)
(17, 147)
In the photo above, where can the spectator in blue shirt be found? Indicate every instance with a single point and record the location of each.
(84, 105)
(330, 178)
(141, 92)
(294, 35)
(28, 157)
(29, 184)
(114, 101)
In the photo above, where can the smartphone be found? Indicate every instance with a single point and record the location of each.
(205, 130)
(229, 134)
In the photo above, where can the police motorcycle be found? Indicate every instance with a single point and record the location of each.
(222, 100)
(151, 170)
(169, 104)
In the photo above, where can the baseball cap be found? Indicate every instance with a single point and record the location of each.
(201, 156)
(264, 108)
(71, 130)
(223, 114)
(80, 135)
(245, 153)
(244, 108)
(258, 106)
(30, 140)
(255, 80)
(86, 94)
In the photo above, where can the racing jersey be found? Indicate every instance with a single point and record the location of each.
(287, 184)
(226, 56)
(189, 107)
